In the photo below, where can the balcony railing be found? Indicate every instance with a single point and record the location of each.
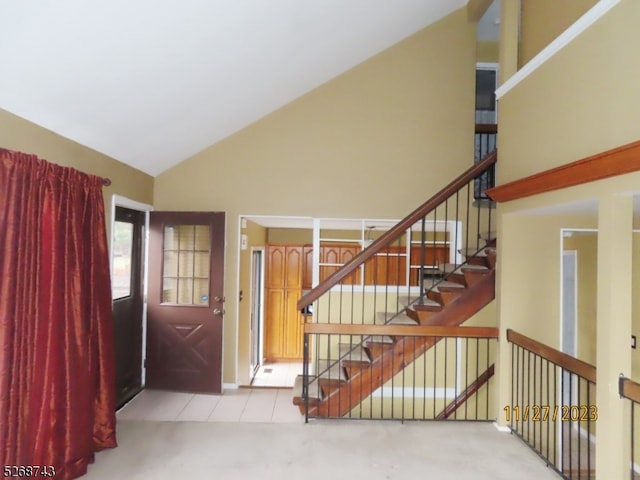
(630, 390)
(553, 407)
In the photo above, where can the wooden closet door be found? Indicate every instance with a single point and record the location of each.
(283, 330)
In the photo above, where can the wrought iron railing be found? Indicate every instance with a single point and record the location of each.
(438, 373)
(435, 267)
(553, 408)
(486, 141)
(631, 391)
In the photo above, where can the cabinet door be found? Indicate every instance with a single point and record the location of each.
(293, 267)
(292, 331)
(276, 266)
(274, 314)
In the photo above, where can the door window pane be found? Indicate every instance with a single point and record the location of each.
(185, 273)
(122, 253)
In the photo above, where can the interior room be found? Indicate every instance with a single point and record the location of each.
(227, 225)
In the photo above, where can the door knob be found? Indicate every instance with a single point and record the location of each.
(218, 299)
(218, 311)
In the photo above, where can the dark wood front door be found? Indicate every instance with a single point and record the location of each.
(127, 291)
(185, 301)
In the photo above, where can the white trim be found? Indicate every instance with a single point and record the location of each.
(229, 386)
(263, 252)
(128, 203)
(487, 66)
(502, 429)
(120, 201)
(566, 37)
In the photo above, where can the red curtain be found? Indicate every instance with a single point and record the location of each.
(57, 387)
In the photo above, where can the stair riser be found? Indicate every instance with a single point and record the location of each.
(491, 258)
(458, 278)
(445, 296)
(474, 276)
(478, 260)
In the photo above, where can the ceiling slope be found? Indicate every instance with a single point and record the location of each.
(152, 82)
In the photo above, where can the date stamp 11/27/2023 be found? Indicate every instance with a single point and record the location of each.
(543, 413)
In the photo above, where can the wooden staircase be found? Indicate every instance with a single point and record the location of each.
(456, 295)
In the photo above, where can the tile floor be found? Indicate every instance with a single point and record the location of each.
(255, 405)
(277, 375)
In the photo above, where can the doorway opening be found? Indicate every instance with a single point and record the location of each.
(128, 254)
(257, 310)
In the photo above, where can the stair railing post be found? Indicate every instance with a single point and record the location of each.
(423, 246)
(305, 375)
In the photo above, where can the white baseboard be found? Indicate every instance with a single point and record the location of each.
(502, 429)
(229, 386)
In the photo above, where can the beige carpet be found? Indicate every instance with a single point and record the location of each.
(326, 450)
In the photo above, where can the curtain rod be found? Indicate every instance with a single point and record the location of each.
(106, 182)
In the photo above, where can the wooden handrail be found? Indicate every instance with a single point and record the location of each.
(617, 161)
(401, 330)
(561, 359)
(398, 230)
(467, 393)
(629, 389)
(486, 128)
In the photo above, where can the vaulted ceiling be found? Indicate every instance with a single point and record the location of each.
(152, 82)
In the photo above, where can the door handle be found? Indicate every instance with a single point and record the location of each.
(218, 311)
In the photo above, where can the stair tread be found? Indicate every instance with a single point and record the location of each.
(314, 388)
(336, 372)
(454, 268)
(379, 339)
(406, 300)
(400, 319)
(445, 284)
(470, 252)
(354, 353)
(487, 236)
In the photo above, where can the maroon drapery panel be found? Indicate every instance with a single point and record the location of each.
(57, 387)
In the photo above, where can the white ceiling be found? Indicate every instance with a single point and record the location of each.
(152, 82)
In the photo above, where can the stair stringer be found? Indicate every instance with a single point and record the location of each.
(342, 399)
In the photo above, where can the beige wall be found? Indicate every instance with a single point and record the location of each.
(487, 52)
(21, 135)
(363, 145)
(290, 235)
(582, 101)
(543, 20)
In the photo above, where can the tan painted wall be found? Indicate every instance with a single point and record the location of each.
(582, 101)
(21, 135)
(487, 52)
(543, 20)
(290, 235)
(363, 145)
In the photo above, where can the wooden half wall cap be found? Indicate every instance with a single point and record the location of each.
(617, 161)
